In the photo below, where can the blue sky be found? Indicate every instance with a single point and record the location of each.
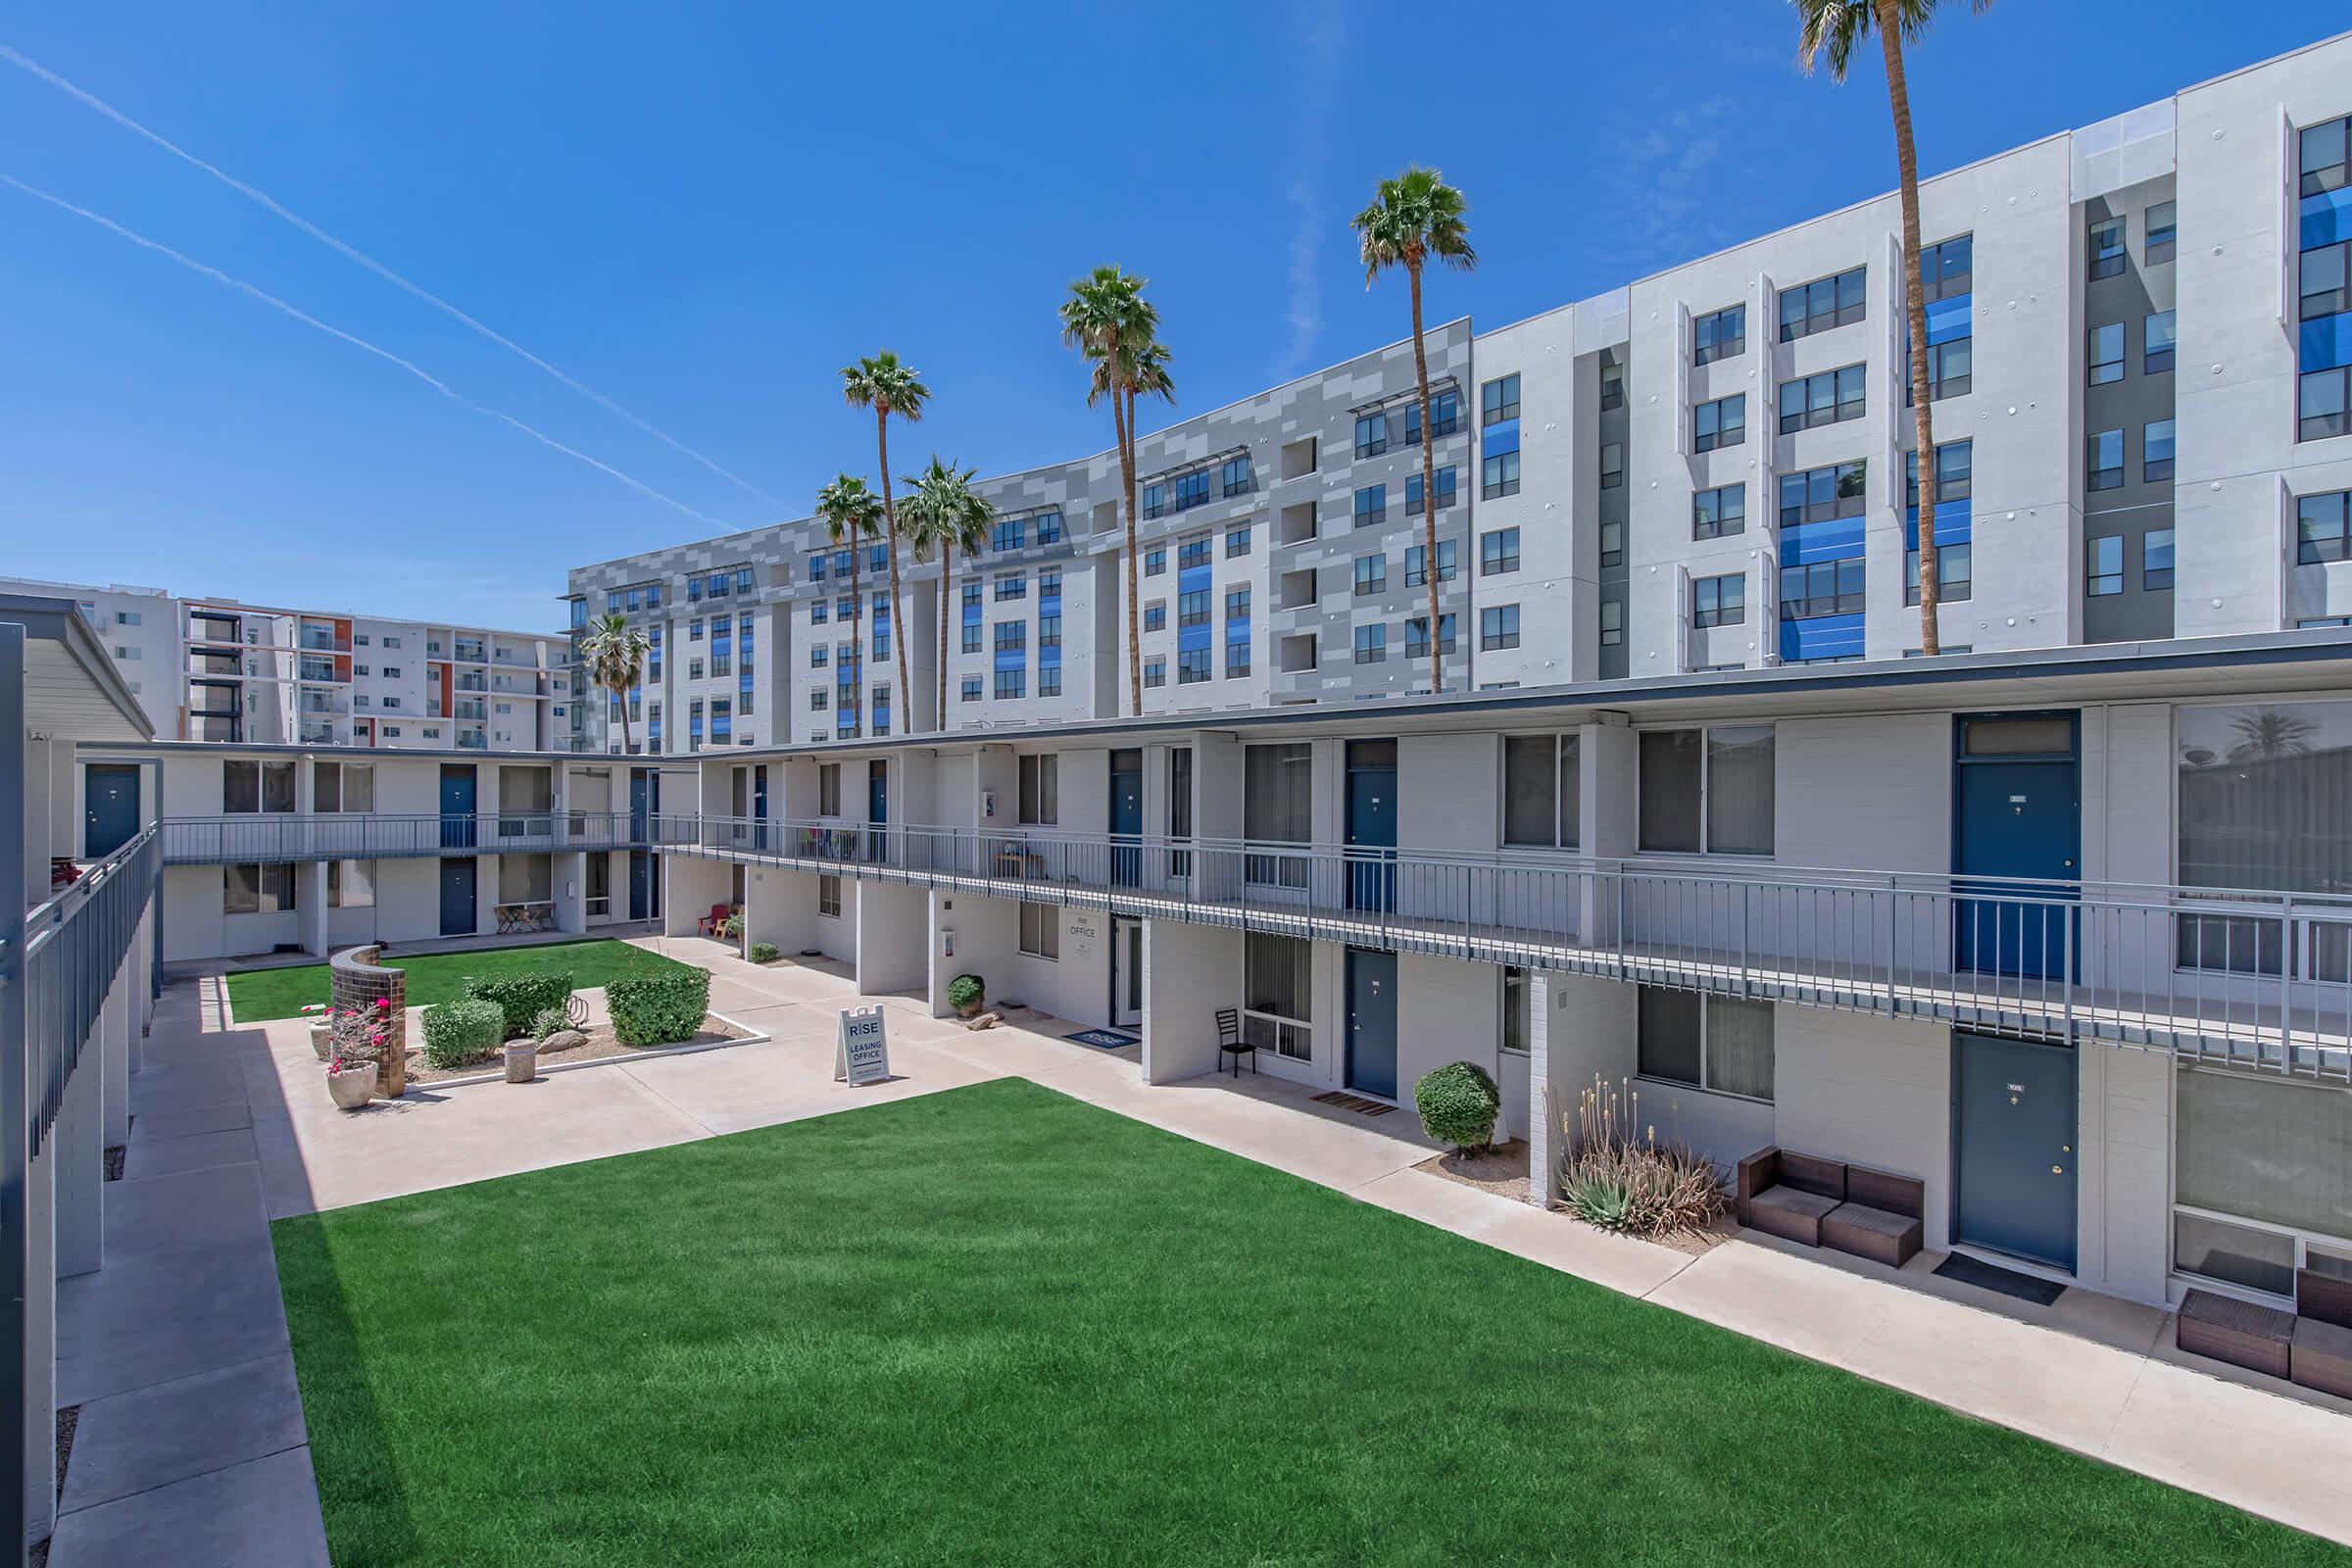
(703, 215)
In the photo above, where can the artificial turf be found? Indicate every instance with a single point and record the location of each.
(257, 995)
(995, 1325)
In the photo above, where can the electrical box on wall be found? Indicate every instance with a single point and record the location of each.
(988, 805)
(947, 942)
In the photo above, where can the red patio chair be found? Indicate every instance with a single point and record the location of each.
(709, 923)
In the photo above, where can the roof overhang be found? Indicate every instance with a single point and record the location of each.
(73, 690)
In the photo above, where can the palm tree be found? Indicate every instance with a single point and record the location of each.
(614, 653)
(1832, 29)
(881, 383)
(1415, 218)
(944, 513)
(2271, 733)
(1107, 320)
(853, 513)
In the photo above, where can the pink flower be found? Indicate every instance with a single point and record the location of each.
(384, 1004)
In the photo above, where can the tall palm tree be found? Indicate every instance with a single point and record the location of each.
(881, 383)
(944, 513)
(2270, 733)
(1107, 320)
(1416, 219)
(853, 514)
(614, 653)
(1832, 29)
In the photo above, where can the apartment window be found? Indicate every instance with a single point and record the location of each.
(1829, 398)
(2103, 460)
(2106, 247)
(1155, 561)
(1237, 603)
(828, 789)
(1541, 790)
(2324, 289)
(1049, 631)
(1192, 609)
(828, 896)
(1010, 533)
(391, 671)
(1278, 994)
(342, 787)
(1417, 572)
(2156, 559)
(1719, 1044)
(1612, 385)
(1719, 335)
(1717, 512)
(819, 614)
(1155, 671)
(1012, 585)
(1048, 527)
(1823, 304)
(1612, 544)
(1955, 574)
(1499, 476)
(1013, 636)
(1371, 436)
(1192, 489)
(1193, 552)
(1815, 588)
(1612, 465)
(257, 889)
(2320, 622)
(819, 655)
(1012, 683)
(2156, 449)
(2324, 403)
(257, 787)
(1720, 424)
(2103, 564)
(1191, 667)
(819, 700)
(1499, 399)
(1946, 270)
(2323, 526)
(350, 884)
(1719, 600)
(1719, 779)
(1237, 652)
(2324, 157)
(2106, 353)
(2157, 331)
(1371, 643)
(1498, 627)
(694, 669)
(1417, 636)
(1040, 931)
(1499, 551)
(1371, 506)
(391, 642)
(1412, 491)
(1612, 622)
(1237, 542)
(1955, 473)
(2162, 234)
(1235, 478)
(970, 688)
(1446, 411)
(1155, 616)
(1156, 500)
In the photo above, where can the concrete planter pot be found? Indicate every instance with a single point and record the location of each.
(352, 1086)
(322, 1039)
(522, 1062)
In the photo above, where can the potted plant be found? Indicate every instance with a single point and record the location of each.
(966, 995)
(321, 1017)
(360, 1036)
(352, 1082)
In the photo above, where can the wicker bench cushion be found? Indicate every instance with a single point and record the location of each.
(2240, 1333)
(1873, 1233)
(1789, 1214)
(1789, 1201)
(2322, 1356)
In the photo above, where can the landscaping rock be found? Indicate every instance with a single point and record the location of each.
(561, 1040)
(986, 1020)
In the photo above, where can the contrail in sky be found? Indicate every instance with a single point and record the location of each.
(276, 304)
(353, 253)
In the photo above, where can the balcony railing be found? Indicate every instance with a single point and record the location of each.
(74, 948)
(275, 837)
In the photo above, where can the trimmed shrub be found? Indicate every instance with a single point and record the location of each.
(965, 993)
(1616, 1174)
(1459, 1103)
(764, 953)
(456, 1033)
(521, 998)
(549, 1020)
(732, 928)
(659, 1010)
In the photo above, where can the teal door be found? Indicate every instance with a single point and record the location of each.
(877, 810)
(1372, 1022)
(458, 918)
(1127, 818)
(456, 808)
(1371, 826)
(111, 808)
(2017, 842)
(2013, 1147)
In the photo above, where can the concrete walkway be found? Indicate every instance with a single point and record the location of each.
(2089, 1372)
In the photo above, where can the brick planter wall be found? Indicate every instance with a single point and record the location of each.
(357, 982)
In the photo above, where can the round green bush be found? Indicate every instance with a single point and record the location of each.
(764, 953)
(462, 1031)
(1458, 1105)
(521, 998)
(659, 1008)
(965, 991)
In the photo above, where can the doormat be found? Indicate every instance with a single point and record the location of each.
(1989, 1277)
(1107, 1039)
(1356, 1102)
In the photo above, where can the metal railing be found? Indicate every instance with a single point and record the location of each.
(273, 836)
(73, 946)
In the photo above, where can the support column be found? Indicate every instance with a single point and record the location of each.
(567, 878)
(77, 1146)
(118, 1027)
(1189, 971)
(39, 1414)
(1543, 1117)
(1608, 774)
(311, 902)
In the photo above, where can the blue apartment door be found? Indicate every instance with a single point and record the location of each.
(1371, 826)
(1372, 1022)
(2017, 815)
(2014, 1146)
(759, 806)
(644, 801)
(457, 807)
(1127, 818)
(457, 918)
(641, 885)
(877, 810)
(111, 808)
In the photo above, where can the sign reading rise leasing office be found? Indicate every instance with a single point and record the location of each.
(863, 1054)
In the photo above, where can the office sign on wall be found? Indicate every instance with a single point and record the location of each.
(862, 1055)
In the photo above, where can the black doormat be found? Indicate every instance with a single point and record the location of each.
(1990, 1277)
(1106, 1039)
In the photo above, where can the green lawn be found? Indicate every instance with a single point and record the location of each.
(997, 1325)
(256, 995)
